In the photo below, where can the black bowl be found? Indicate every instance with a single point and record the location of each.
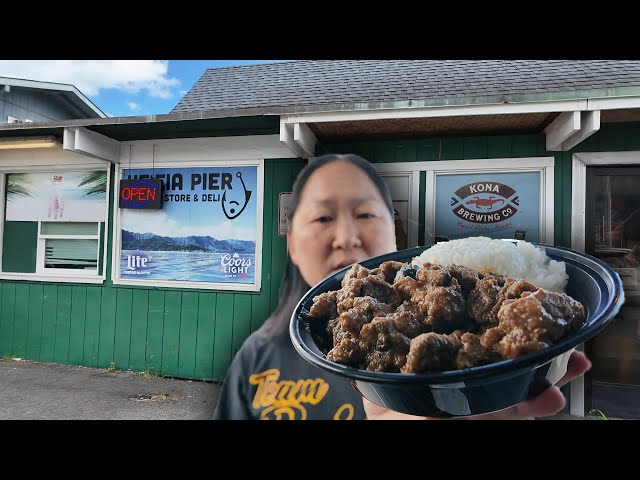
(485, 388)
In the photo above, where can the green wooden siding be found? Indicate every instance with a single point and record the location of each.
(195, 333)
(63, 324)
(223, 334)
(49, 315)
(171, 335)
(77, 325)
(180, 333)
(92, 327)
(21, 320)
(188, 335)
(138, 338)
(205, 335)
(155, 331)
(34, 329)
(107, 327)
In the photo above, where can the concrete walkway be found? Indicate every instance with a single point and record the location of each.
(47, 391)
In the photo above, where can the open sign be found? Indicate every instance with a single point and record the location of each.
(144, 194)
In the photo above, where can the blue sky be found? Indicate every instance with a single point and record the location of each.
(200, 218)
(122, 88)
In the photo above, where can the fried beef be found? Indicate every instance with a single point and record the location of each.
(403, 318)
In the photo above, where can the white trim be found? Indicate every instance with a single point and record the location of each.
(170, 151)
(91, 144)
(57, 275)
(564, 126)
(609, 158)
(576, 392)
(11, 119)
(614, 103)
(25, 162)
(41, 252)
(3, 201)
(406, 169)
(414, 207)
(543, 165)
(287, 139)
(487, 164)
(429, 213)
(579, 163)
(578, 202)
(117, 237)
(547, 208)
(590, 124)
(54, 87)
(305, 138)
(41, 277)
(414, 109)
(439, 111)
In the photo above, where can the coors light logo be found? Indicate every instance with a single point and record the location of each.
(484, 202)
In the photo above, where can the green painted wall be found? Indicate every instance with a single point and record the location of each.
(195, 333)
(180, 333)
(610, 137)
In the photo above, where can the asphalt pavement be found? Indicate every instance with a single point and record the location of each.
(48, 391)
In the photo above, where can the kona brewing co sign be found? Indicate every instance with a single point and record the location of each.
(484, 202)
(142, 194)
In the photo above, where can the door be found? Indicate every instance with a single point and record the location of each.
(612, 228)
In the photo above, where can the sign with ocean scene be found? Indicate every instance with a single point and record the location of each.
(499, 205)
(63, 196)
(205, 232)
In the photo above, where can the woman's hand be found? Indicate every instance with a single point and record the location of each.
(549, 402)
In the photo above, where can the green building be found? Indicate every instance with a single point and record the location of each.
(92, 275)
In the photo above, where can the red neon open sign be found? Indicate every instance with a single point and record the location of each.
(144, 194)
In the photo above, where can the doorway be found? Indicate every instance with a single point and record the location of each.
(612, 234)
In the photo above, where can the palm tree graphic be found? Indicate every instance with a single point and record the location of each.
(95, 183)
(18, 186)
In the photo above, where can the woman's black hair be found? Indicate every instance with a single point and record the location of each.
(293, 286)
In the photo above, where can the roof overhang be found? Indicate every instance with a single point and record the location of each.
(564, 122)
(68, 94)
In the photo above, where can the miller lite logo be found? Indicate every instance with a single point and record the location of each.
(485, 202)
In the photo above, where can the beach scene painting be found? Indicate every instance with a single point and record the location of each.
(205, 231)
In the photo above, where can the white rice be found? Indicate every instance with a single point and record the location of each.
(521, 260)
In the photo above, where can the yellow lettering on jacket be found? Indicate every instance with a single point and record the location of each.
(285, 399)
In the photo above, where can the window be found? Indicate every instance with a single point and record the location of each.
(11, 119)
(207, 234)
(54, 224)
(68, 247)
(499, 198)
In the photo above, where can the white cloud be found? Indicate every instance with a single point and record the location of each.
(92, 76)
(182, 93)
(133, 106)
(158, 223)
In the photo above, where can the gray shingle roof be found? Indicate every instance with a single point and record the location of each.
(323, 82)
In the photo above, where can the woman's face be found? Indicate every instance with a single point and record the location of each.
(341, 218)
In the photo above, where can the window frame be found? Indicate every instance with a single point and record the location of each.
(41, 252)
(60, 275)
(432, 169)
(181, 284)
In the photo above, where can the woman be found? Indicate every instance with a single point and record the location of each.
(341, 213)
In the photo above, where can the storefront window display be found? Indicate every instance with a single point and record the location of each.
(54, 222)
(206, 234)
